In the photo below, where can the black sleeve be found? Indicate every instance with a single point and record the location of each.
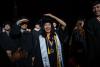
(15, 32)
(4, 59)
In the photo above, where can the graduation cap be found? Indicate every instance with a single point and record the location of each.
(45, 19)
(37, 23)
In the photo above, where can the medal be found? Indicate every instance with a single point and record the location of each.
(52, 50)
(50, 46)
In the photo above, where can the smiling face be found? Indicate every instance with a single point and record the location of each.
(96, 9)
(47, 27)
(24, 26)
(7, 27)
(37, 26)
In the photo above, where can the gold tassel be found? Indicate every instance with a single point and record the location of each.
(49, 51)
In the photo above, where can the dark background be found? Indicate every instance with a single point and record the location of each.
(68, 10)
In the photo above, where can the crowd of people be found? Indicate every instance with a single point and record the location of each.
(49, 43)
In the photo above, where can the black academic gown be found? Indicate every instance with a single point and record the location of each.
(7, 42)
(36, 35)
(38, 58)
(93, 40)
(4, 59)
(26, 43)
(64, 36)
(79, 48)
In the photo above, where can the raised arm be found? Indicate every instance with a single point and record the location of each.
(61, 22)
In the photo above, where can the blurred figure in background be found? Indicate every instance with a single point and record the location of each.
(6, 46)
(79, 46)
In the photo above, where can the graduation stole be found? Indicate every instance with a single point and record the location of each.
(50, 44)
(45, 52)
(59, 51)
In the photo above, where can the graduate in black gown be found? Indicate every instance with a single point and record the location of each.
(93, 37)
(36, 31)
(25, 44)
(6, 46)
(49, 47)
(7, 42)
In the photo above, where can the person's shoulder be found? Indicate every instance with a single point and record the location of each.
(2, 33)
(92, 20)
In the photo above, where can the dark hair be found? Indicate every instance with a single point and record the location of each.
(95, 3)
(81, 18)
(52, 33)
(37, 23)
(44, 20)
(7, 23)
(23, 23)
